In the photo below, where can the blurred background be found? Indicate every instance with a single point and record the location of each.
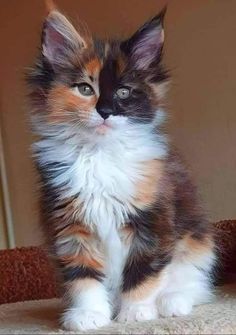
(200, 51)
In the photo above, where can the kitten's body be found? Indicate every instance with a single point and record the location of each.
(119, 210)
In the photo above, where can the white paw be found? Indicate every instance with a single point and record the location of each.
(137, 312)
(174, 304)
(79, 319)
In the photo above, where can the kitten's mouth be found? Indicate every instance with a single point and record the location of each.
(104, 127)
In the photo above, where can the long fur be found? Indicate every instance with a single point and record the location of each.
(119, 211)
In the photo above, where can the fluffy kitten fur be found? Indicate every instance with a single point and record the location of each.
(119, 211)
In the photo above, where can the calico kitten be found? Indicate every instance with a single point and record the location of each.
(119, 210)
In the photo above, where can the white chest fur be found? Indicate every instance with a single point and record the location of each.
(101, 170)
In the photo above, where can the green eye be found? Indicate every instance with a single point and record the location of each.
(123, 92)
(84, 89)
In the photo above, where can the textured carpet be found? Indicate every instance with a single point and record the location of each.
(40, 317)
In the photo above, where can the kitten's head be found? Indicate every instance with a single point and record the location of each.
(95, 84)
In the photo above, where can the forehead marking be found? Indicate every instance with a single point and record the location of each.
(93, 67)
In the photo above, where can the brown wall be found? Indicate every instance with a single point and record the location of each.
(200, 52)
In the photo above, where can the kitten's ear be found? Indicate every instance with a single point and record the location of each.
(145, 46)
(59, 39)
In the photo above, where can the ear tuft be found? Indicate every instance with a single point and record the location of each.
(145, 46)
(50, 6)
(161, 15)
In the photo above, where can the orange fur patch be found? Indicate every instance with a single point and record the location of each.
(198, 246)
(147, 188)
(50, 5)
(83, 259)
(75, 230)
(87, 253)
(191, 248)
(145, 289)
(63, 104)
(93, 67)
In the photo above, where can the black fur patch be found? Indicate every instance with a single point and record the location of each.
(81, 272)
(151, 247)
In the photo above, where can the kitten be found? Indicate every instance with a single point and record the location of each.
(119, 210)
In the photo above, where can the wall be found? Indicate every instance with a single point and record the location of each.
(200, 51)
(3, 231)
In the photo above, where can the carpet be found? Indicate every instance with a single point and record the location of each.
(41, 317)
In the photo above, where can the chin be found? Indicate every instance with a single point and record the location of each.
(103, 129)
(112, 123)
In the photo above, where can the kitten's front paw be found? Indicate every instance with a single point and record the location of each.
(174, 304)
(137, 312)
(78, 319)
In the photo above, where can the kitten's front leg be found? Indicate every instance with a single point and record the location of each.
(138, 303)
(82, 261)
(88, 306)
(141, 284)
(143, 272)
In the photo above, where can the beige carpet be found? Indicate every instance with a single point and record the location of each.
(40, 317)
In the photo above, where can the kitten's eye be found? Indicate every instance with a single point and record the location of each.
(84, 89)
(123, 92)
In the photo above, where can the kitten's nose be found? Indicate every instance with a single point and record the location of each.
(104, 112)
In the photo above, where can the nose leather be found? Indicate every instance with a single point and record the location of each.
(104, 112)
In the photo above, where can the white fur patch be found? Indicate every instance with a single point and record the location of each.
(186, 286)
(89, 309)
(137, 312)
(102, 169)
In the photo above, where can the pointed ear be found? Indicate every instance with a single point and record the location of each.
(145, 46)
(59, 39)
